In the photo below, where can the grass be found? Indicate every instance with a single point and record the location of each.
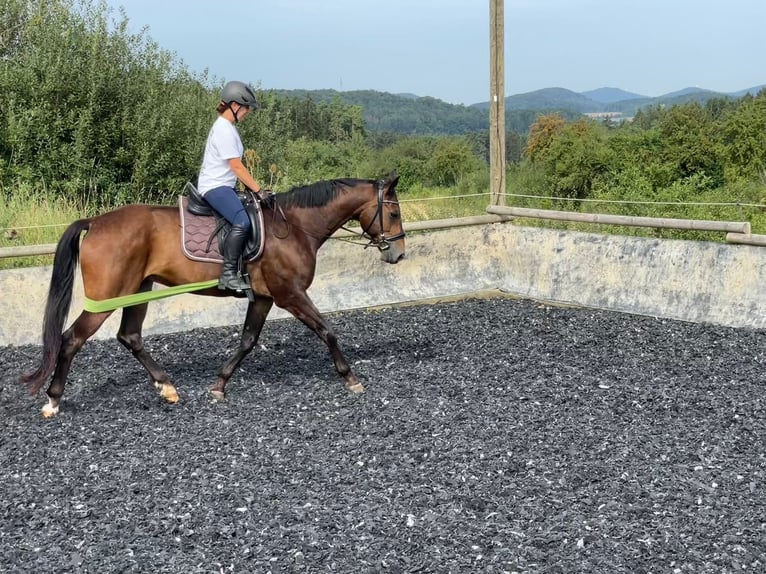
(31, 218)
(689, 203)
(421, 203)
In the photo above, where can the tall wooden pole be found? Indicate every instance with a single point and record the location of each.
(496, 102)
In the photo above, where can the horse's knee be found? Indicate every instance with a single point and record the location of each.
(69, 344)
(247, 342)
(329, 337)
(131, 341)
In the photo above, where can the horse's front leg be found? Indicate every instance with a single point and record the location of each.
(304, 309)
(257, 312)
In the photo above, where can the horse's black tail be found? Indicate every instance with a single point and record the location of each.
(59, 300)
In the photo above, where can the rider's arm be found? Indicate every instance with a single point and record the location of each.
(243, 174)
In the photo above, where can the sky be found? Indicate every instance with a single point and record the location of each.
(441, 48)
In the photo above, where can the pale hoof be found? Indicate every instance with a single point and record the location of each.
(356, 388)
(167, 392)
(218, 396)
(50, 410)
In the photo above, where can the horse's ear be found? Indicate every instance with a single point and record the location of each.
(393, 179)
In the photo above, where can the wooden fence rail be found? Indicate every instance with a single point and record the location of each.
(627, 220)
(736, 231)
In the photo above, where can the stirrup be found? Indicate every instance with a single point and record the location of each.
(233, 283)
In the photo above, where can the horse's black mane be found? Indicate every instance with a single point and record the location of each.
(316, 194)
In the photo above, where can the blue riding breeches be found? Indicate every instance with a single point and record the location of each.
(226, 202)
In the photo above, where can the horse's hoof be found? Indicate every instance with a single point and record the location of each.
(356, 388)
(167, 392)
(218, 396)
(49, 411)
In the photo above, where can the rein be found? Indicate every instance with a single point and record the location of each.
(382, 242)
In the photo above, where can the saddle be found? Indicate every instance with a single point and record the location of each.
(203, 230)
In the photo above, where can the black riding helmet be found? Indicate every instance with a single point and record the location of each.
(239, 92)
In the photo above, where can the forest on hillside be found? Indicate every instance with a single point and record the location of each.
(104, 117)
(411, 115)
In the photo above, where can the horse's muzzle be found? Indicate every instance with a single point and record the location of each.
(393, 254)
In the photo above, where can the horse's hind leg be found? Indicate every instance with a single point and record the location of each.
(72, 341)
(254, 320)
(130, 336)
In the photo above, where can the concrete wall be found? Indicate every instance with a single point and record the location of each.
(688, 280)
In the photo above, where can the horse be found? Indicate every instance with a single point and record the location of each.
(127, 250)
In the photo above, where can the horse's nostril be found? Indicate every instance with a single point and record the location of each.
(391, 256)
(396, 258)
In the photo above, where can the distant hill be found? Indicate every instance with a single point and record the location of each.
(405, 114)
(547, 99)
(686, 92)
(626, 103)
(416, 115)
(752, 91)
(611, 95)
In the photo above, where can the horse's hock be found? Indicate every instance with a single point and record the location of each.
(688, 280)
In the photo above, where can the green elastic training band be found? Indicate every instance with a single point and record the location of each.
(137, 298)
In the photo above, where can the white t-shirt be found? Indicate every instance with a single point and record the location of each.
(223, 143)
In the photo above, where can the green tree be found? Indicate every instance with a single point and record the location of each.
(542, 134)
(514, 147)
(744, 140)
(409, 157)
(688, 135)
(451, 161)
(92, 111)
(570, 155)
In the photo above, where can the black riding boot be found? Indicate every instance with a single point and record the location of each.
(232, 250)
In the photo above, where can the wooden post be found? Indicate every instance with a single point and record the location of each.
(496, 102)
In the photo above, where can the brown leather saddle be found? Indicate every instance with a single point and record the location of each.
(203, 230)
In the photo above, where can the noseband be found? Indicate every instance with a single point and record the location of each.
(381, 242)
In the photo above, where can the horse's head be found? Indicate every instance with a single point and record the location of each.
(381, 220)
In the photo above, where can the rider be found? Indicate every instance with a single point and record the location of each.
(221, 167)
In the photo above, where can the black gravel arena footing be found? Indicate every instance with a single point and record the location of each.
(495, 435)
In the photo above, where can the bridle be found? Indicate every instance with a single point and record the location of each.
(381, 242)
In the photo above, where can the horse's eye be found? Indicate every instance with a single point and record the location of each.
(394, 215)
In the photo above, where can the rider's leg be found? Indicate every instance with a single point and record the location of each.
(226, 202)
(232, 251)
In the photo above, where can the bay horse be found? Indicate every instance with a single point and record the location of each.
(127, 250)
